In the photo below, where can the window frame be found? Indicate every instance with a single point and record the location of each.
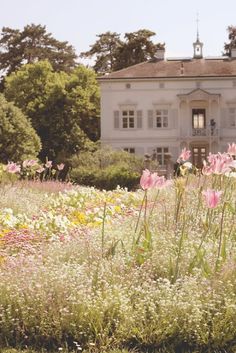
(160, 154)
(161, 118)
(129, 119)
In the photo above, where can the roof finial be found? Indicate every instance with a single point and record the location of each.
(197, 20)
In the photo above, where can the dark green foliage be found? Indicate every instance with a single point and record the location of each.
(111, 53)
(107, 179)
(232, 40)
(106, 169)
(18, 140)
(32, 44)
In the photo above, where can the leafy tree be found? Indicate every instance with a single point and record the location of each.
(32, 44)
(56, 104)
(232, 40)
(105, 50)
(83, 100)
(137, 48)
(112, 53)
(18, 140)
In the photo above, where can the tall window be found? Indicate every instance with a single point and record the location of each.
(161, 118)
(161, 155)
(128, 119)
(199, 118)
(232, 117)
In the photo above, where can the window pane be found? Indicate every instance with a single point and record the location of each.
(124, 113)
(165, 122)
(131, 122)
(158, 112)
(131, 112)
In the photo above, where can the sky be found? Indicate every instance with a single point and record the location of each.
(173, 21)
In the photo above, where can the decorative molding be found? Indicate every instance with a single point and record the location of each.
(198, 94)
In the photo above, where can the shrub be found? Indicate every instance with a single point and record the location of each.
(105, 168)
(18, 139)
(108, 178)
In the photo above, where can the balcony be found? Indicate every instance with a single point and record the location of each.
(204, 132)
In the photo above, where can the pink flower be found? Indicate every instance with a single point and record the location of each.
(212, 197)
(147, 179)
(48, 164)
(29, 163)
(40, 169)
(206, 169)
(161, 182)
(60, 166)
(184, 156)
(12, 168)
(232, 149)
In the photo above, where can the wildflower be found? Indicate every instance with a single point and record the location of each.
(48, 164)
(60, 166)
(232, 149)
(184, 156)
(40, 170)
(29, 163)
(212, 197)
(12, 168)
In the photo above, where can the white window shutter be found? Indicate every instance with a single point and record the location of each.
(116, 119)
(224, 113)
(139, 119)
(173, 118)
(150, 119)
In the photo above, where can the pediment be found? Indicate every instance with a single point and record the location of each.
(198, 94)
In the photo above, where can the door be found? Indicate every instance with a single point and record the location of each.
(199, 154)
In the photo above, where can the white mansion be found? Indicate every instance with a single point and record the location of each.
(164, 105)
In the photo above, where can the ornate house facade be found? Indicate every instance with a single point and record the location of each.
(165, 105)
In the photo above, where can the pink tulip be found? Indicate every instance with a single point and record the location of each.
(60, 166)
(12, 168)
(147, 179)
(48, 164)
(232, 149)
(212, 197)
(40, 170)
(184, 156)
(29, 163)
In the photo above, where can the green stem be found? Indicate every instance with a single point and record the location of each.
(103, 227)
(220, 240)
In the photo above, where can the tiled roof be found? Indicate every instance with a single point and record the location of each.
(177, 68)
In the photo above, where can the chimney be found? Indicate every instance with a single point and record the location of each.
(233, 53)
(160, 53)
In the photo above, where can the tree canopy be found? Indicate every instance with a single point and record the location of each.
(232, 40)
(32, 44)
(111, 53)
(59, 105)
(18, 140)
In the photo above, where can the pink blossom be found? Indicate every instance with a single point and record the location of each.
(48, 164)
(12, 168)
(40, 169)
(60, 166)
(29, 163)
(184, 156)
(147, 179)
(220, 163)
(212, 197)
(232, 149)
(206, 169)
(161, 182)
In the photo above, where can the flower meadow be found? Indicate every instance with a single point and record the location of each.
(153, 270)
